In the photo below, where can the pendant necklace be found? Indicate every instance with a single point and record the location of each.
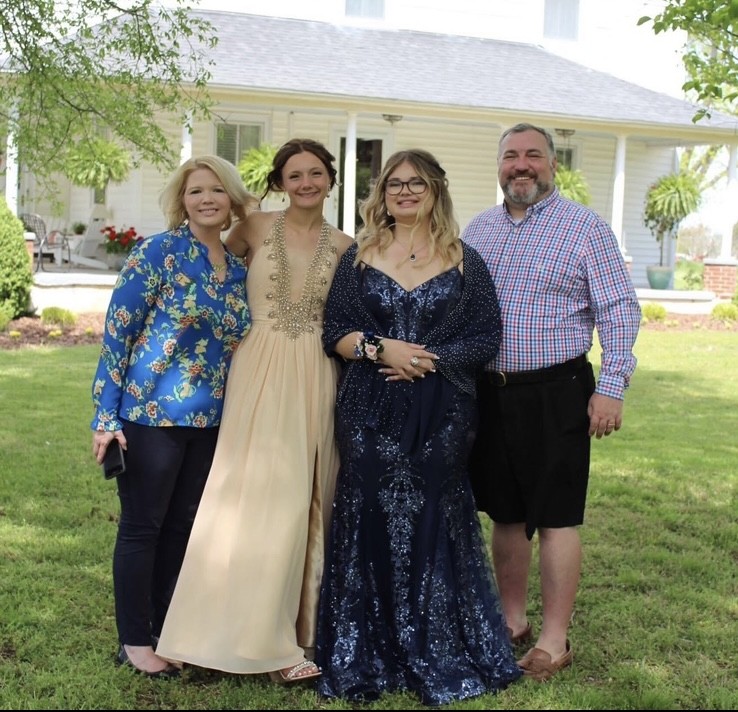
(413, 255)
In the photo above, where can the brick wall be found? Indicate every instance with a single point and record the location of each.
(721, 277)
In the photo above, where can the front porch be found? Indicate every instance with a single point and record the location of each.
(88, 290)
(76, 289)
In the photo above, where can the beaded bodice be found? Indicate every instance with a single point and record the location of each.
(297, 317)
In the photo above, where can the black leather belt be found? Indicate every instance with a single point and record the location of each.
(540, 375)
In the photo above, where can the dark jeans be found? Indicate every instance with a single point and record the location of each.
(167, 468)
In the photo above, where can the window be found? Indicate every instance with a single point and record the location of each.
(561, 19)
(565, 157)
(234, 140)
(365, 8)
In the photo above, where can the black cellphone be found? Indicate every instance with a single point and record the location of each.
(114, 462)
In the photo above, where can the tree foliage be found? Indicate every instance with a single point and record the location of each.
(711, 54)
(72, 71)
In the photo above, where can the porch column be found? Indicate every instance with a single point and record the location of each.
(618, 191)
(618, 197)
(185, 152)
(349, 176)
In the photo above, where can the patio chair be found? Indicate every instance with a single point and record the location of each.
(54, 244)
(86, 251)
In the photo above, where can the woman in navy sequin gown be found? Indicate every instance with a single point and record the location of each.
(408, 601)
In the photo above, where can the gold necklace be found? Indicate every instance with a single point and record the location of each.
(296, 318)
(218, 267)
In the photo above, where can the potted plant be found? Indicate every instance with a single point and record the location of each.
(254, 167)
(668, 201)
(572, 185)
(97, 162)
(78, 228)
(118, 243)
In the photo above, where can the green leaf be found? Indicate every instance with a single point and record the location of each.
(255, 167)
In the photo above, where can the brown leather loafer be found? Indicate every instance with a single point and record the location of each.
(537, 663)
(521, 638)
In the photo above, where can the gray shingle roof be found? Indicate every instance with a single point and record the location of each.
(305, 57)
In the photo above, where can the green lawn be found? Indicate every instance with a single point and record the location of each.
(656, 621)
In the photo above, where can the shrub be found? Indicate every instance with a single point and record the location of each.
(16, 277)
(6, 315)
(725, 312)
(58, 317)
(653, 312)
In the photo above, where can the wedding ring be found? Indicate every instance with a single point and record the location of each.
(414, 361)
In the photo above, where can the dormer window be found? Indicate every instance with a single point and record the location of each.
(561, 19)
(365, 8)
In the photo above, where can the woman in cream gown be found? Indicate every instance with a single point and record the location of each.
(246, 598)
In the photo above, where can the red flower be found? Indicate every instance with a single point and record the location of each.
(120, 241)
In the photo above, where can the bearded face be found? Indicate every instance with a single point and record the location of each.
(527, 188)
(525, 168)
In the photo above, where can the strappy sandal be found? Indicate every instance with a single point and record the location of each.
(306, 670)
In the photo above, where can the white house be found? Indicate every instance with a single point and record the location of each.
(367, 86)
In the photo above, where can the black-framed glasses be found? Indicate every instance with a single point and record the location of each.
(415, 185)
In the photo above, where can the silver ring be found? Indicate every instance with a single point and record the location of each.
(414, 361)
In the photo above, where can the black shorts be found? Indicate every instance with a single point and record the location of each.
(530, 461)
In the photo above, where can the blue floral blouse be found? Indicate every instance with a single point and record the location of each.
(170, 331)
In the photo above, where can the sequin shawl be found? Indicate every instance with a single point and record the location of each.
(467, 339)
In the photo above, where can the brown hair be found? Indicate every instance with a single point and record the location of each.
(292, 148)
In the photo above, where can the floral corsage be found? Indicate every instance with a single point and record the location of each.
(369, 346)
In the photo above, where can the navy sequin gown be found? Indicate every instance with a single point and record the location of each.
(408, 601)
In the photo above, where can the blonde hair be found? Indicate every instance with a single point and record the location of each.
(172, 197)
(378, 223)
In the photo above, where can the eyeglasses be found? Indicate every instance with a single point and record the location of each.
(415, 185)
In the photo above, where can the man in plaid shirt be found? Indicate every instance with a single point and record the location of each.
(559, 274)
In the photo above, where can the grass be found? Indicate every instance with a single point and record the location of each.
(656, 619)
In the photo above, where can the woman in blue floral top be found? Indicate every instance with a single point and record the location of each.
(176, 315)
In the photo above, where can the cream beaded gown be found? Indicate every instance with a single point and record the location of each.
(246, 597)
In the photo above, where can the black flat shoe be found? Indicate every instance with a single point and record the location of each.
(167, 673)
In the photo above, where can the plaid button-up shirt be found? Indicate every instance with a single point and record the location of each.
(559, 274)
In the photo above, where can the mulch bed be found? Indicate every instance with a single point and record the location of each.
(88, 329)
(30, 331)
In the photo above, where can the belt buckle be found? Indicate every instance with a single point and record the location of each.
(500, 378)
